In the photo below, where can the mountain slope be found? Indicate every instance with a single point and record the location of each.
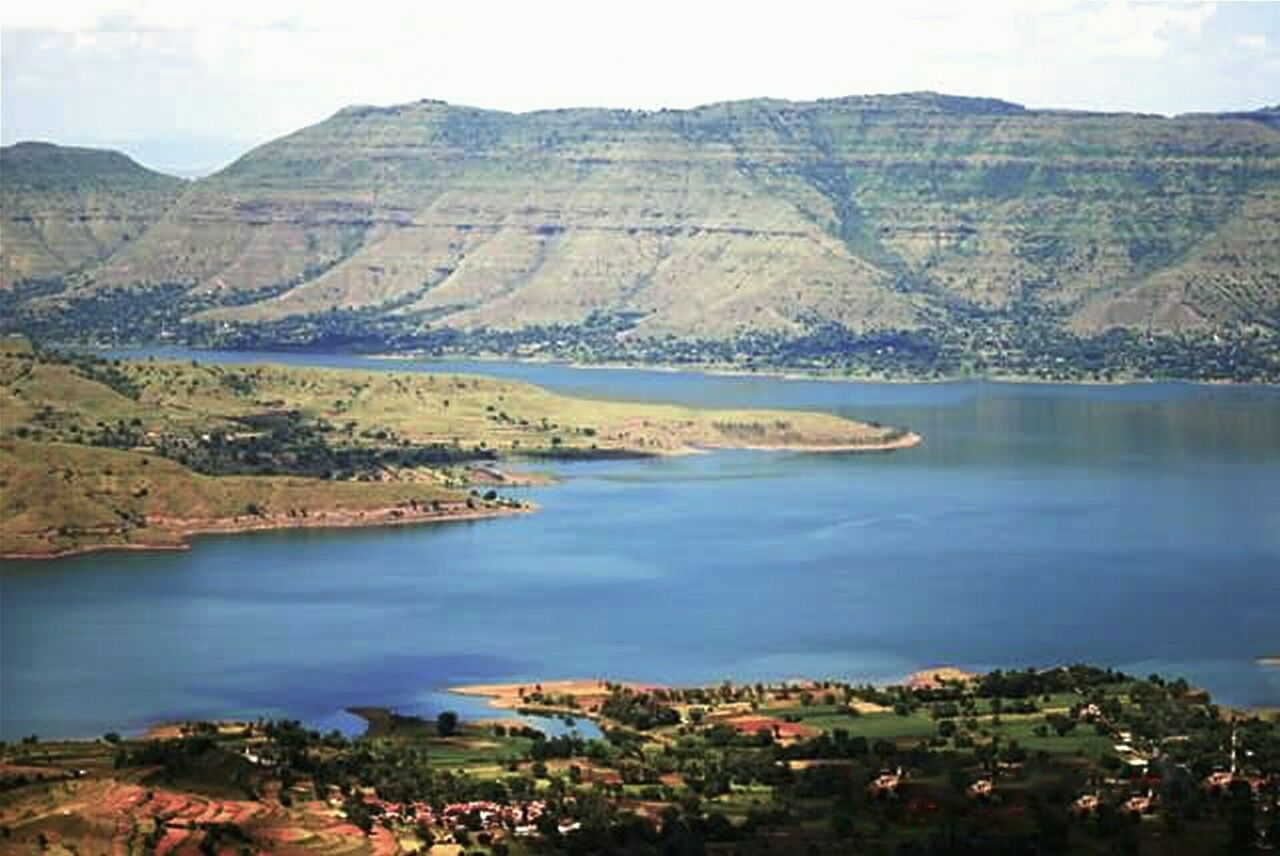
(1233, 272)
(963, 222)
(494, 220)
(65, 208)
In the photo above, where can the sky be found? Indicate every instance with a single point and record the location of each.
(189, 86)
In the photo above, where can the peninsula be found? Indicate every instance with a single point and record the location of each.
(98, 454)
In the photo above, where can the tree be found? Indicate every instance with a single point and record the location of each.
(425, 835)
(447, 723)
(1241, 817)
(358, 813)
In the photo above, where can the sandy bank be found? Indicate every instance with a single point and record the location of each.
(584, 692)
(176, 531)
(939, 675)
(905, 441)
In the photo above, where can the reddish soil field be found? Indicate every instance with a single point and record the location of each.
(780, 729)
(106, 816)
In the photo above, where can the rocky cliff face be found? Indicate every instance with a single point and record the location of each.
(66, 208)
(873, 213)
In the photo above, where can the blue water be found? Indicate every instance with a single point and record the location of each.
(1134, 526)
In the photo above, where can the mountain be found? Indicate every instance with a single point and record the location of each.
(1266, 115)
(968, 224)
(65, 208)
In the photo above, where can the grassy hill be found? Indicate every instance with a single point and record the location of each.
(95, 453)
(973, 228)
(65, 208)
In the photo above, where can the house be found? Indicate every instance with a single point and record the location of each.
(886, 784)
(1086, 805)
(1138, 805)
(981, 789)
(1218, 781)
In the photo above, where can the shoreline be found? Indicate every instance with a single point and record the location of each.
(183, 530)
(708, 369)
(505, 697)
(792, 374)
(908, 440)
(354, 519)
(508, 695)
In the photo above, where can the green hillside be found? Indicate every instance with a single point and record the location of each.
(65, 208)
(907, 234)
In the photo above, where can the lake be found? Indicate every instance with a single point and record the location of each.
(1131, 526)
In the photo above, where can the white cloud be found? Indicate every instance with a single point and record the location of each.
(1118, 29)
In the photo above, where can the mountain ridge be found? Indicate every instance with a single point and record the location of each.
(908, 212)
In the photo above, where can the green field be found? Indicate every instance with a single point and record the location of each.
(875, 725)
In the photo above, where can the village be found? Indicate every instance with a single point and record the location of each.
(1075, 758)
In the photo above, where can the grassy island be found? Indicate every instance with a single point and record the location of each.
(98, 454)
